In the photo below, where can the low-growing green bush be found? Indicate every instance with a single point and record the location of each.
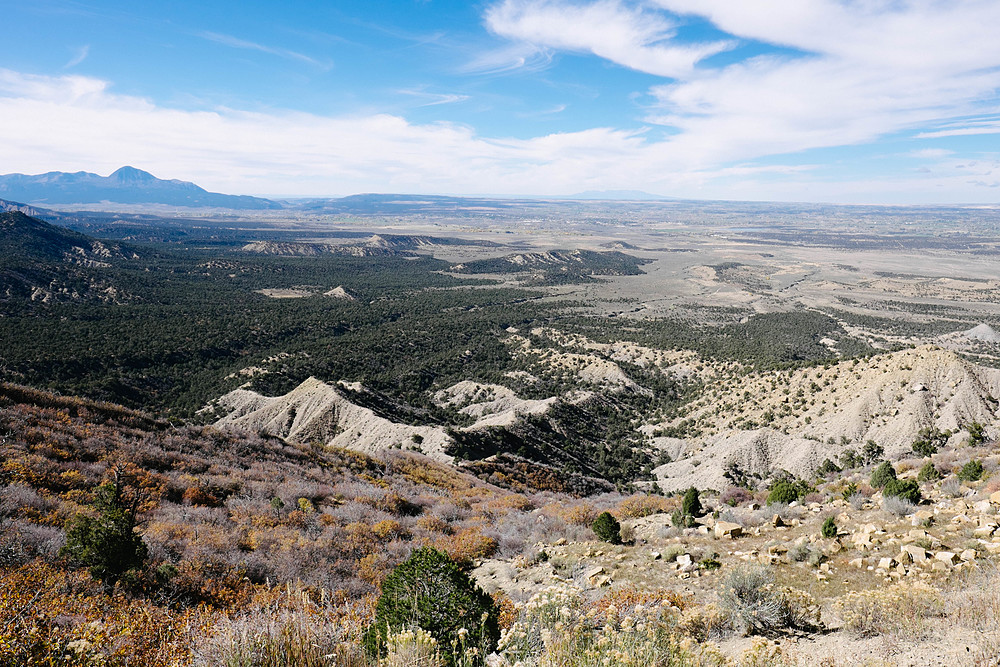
(429, 591)
(607, 528)
(882, 474)
(928, 473)
(907, 489)
(787, 491)
(829, 528)
(971, 472)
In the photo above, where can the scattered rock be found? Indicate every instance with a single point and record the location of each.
(726, 529)
(947, 557)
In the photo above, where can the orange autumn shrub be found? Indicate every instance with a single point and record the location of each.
(56, 618)
(387, 529)
(468, 545)
(635, 507)
(578, 514)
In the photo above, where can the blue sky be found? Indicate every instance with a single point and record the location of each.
(856, 101)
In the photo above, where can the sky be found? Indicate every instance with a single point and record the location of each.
(847, 101)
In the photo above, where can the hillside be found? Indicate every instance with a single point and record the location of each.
(375, 245)
(43, 263)
(254, 543)
(558, 266)
(795, 420)
(127, 185)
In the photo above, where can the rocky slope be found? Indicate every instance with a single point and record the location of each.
(317, 411)
(795, 420)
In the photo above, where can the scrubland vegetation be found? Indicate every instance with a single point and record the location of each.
(257, 552)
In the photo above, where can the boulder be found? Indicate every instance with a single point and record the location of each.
(726, 529)
(947, 557)
(916, 553)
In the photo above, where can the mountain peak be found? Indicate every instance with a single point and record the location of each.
(127, 175)
(127, 185)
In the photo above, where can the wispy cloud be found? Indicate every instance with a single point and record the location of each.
(972, 129)
(930, 153)
(432, 99)
(521, 57)
(237, 43)
(551, 111)
(79, 57)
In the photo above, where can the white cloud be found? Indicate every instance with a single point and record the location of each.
(509, 58)
(868, 68)
(76, 123)
(630, 37)
(991, 128)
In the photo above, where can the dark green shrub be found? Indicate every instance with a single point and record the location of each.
(928, 441)
(430, 591)
(829, 528)
(977, 434)
(971, 472)
(691, 504)
(882, 474)
(107, 544)
(850, 459)
(681, 520)
(787, 491)
(872, 452)
(928, 473)
(827, 468)
(907, 489)
(849, 490)
(607, 528)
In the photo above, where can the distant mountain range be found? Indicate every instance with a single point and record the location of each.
(128, 185)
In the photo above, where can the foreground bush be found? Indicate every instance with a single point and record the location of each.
(691, 504)
(882, 475)
(108, 543)
(971, 472)
(429, 591)
(607, 528)
(55, 617)
(754, 606)
(786, 491)
(928, 473)
(899, 609)
(278, 638)
(907, 490)
(626, 628)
